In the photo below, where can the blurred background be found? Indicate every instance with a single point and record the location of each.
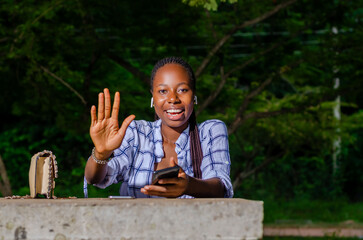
(284, 75)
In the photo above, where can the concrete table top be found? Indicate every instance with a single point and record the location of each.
(100, 218)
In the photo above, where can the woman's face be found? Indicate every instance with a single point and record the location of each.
(173, 96)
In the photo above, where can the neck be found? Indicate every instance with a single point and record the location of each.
(171, 135)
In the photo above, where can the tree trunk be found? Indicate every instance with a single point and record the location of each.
(337, 141)
(337, 116)
(5, 188)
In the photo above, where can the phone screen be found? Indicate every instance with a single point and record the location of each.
(171, 172)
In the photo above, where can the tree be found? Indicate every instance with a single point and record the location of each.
(264, 68)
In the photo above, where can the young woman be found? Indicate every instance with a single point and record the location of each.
(132, 152)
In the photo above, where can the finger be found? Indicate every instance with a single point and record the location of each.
(107, 102)
(125, 124)
(182, 174)
(154, 188)
(144, 191)
(169, 181)
(155, 193)
(116, 106)
(161, 191)
(167, 193)
(101, 107)
(172, 162)
(93, 115)
(181, 171)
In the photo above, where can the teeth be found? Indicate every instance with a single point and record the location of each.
(174, 111)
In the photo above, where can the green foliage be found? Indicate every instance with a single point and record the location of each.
(207, 4)
(302, 211)
(18, 146)
(47, 45)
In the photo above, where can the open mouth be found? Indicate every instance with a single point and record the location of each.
(174, 114)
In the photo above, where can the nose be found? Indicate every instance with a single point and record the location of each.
(173, 97)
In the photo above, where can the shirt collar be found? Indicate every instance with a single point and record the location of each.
(183, 139)
(181, 143)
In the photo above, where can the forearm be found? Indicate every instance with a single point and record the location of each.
(95, 172)
(212, 188)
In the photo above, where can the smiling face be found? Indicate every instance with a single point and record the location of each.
(173, 96)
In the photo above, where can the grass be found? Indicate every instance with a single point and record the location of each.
(306, 211)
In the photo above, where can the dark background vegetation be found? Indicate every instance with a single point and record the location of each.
(266, 68)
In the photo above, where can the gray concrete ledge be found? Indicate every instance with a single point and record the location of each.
(62, 219)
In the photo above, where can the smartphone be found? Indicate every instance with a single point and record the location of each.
(120, 197)
(171, 172)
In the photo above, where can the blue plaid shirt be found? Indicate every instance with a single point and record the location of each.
(142, 147)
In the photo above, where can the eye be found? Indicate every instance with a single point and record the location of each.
(183, 90)
(162, 91)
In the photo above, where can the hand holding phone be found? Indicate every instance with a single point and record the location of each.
(176, 182)
(171, 172)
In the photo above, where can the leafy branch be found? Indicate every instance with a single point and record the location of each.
(46, 70)
(133, 70)
(251, 171)
(241, 117)
(224, 77)
(226, 37)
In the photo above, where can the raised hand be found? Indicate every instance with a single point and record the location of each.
(105, 131)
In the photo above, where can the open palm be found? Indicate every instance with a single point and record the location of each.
(105, 131)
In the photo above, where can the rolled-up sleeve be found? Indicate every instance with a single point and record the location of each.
(118, 166)
(216, 160)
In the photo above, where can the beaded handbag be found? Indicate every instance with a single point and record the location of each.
(42, 173)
